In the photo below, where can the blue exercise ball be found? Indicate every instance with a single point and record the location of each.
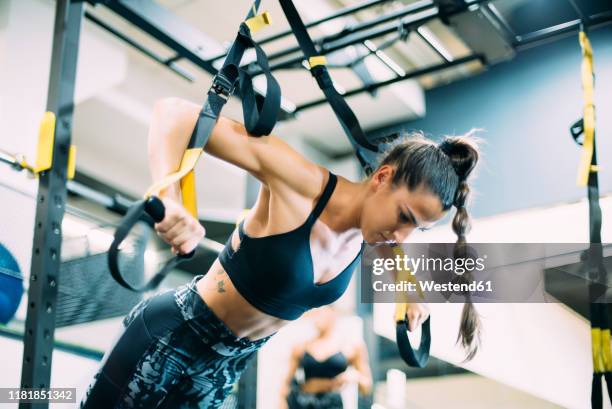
(11, 285)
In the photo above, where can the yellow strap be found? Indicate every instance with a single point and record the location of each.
(400, 311)
(71, 162)
(258, 22)
(404, 275)
(606, 353)
(401, 298)
(46, 136)
(589, 110)
(188, 192)
(598, 366)
(317, 60)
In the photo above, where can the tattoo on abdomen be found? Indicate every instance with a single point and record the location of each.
(220, 287)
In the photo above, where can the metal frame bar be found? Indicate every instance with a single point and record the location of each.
(340, 13)
(51, 199)
(417, 7)
(351, 36)
(168, 63)
(559, 31)
(413, 74)
(166, 28)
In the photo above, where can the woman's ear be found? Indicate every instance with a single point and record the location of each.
(383, 175)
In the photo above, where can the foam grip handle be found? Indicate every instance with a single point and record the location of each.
(155, 208)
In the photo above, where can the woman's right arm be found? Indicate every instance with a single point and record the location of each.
(268, 158)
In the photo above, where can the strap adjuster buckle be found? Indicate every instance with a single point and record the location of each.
(222, 86)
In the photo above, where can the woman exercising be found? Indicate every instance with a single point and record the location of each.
(295, 250)
(328, 362)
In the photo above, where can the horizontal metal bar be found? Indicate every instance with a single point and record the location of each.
(9, 160)
(170, 64)
(432, 46)
(186, 41)
(408, 22)
(70, 348)
(561, 30)
(410, 75)
(359, 38)
(413, 8)
(340, 13)
(165, 27)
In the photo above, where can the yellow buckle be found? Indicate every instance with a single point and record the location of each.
(71, 162)
(46, 136)
(258, 22)
(317, 60)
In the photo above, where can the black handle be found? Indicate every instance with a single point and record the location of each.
(418, 358)
(156, 209)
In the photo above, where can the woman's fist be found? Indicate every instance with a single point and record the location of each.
(179, 228)
(417, 313)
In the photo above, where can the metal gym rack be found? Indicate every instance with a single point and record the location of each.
(185, 42)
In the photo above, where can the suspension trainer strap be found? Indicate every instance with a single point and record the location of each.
(365, 151)
(594, 267)
(259, 117)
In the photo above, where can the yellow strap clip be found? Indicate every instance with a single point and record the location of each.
(258, 22)
(46, 137)
(187, 179)
(71, 162)
(317, 60)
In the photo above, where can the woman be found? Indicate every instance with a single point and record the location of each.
(295, 250)
(327, 362)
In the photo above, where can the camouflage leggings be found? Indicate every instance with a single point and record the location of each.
(174, 353)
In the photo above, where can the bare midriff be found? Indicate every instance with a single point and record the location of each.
(242, 318)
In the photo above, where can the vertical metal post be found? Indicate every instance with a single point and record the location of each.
(51, 198)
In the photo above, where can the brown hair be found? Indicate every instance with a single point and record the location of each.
(444, 169)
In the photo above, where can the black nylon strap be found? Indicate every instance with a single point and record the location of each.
(418, 358)
(259, 120)
(595, 268)
(133, 216)
(366, 152)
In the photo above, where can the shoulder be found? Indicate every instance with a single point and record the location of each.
(305, 179)
(298, 351)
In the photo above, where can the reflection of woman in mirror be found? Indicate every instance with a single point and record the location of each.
(327, 362)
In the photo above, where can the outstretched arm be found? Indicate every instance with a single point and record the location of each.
(268, 158)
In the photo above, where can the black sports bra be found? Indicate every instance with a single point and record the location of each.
(275, 273)
(331, 367)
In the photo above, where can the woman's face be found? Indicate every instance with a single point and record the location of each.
(391, 213)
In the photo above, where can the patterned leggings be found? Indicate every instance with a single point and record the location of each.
(174, 353)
